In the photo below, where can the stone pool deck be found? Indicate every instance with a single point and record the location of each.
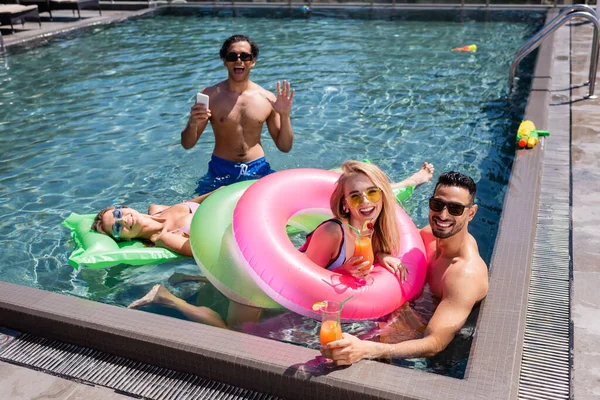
(64, 21)
(20, 383)
(585, 169)
(584, 117)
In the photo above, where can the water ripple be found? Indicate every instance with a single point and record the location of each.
(95, 119)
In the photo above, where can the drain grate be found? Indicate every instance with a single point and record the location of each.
(123, 375)
(546, 362)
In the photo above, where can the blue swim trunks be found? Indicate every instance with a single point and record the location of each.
(222, 172)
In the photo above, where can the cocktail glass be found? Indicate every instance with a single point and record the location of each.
(363, 247)
(330, 322)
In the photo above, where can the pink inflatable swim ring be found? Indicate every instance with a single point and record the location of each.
(289, 277)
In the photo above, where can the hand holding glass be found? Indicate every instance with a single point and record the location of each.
(363, 247)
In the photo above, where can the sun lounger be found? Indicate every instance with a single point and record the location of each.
(11, 13)
(43, 5)
(52, 5)
(75, 5)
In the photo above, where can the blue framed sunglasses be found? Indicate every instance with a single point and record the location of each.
(117, 227)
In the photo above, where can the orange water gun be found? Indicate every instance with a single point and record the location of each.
(472, 48)
(527, 135)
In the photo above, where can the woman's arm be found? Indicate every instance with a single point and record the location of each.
(175, 242)
(324, 244)
(203, 197)
(392, 264)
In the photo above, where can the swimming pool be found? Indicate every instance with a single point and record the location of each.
(104, 111)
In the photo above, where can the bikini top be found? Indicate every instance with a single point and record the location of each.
(340, 259)
(186, 228)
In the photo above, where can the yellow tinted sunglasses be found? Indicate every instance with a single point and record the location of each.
(373, 195)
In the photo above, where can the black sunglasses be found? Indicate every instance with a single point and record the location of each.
(231, 56)
(455, 209)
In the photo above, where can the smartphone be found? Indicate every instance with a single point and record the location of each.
(201, 98)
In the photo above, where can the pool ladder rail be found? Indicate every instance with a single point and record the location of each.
(577, 10)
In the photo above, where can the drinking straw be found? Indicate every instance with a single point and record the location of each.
(357, 231)
(343, 302)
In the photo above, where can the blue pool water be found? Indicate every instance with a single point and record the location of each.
(94, 119)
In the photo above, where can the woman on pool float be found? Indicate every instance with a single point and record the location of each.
(164, 226)
(362, 197)
(329, 244)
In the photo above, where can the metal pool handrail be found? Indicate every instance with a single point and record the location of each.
(553, 25)
(549, 25)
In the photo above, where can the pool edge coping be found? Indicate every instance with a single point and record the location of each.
(274, 367)
(17, 42)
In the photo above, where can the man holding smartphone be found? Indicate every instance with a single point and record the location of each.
(238, 110)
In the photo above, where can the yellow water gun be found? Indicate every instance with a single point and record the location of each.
(527, 135)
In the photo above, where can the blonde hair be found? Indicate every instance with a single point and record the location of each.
(386, 236)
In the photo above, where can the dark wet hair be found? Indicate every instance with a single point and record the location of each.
(238, 38)
(453, 178)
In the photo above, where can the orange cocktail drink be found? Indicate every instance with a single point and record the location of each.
(330, 331)
(364, 248)
(330, 322)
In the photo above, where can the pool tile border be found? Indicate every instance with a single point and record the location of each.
(292, 372)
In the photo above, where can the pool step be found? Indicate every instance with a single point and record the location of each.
(123, 375)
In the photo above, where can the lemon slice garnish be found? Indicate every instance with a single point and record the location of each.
(319, 305)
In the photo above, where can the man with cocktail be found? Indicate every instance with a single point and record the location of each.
(456, 274)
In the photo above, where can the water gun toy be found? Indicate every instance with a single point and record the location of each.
(472, 48)
(527, 135)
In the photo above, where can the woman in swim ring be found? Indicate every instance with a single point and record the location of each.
(239, 313)
(164, 226)
(362, 198)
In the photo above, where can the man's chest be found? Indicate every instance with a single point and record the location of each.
(245, 110)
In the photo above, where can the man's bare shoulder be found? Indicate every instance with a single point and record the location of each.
(474, 259)
(214, 89)
(261, 91)
(469, 273)
(472, 267)
(426, 234)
